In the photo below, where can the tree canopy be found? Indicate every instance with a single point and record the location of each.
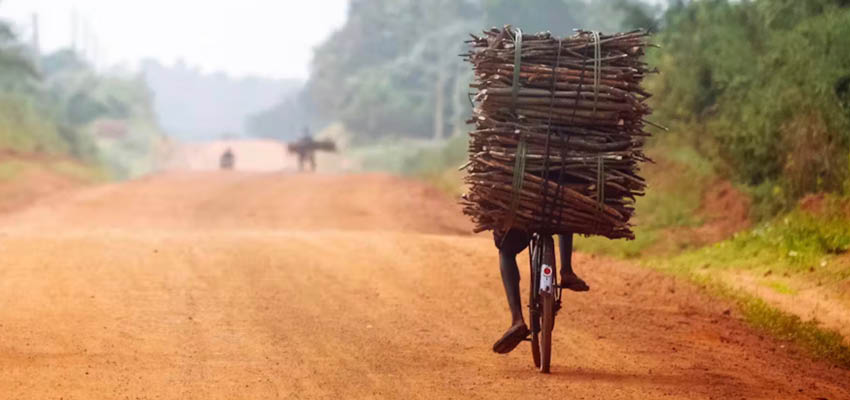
(394, 70)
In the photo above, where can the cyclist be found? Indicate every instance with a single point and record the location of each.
(510, 244)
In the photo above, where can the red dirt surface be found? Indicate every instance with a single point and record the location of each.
(726, 211)
(31, 181)
(272, 285)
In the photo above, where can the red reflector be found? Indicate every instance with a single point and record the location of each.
(547, 271)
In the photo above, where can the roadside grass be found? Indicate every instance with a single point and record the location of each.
(801, 243)
(780, 287)
(9, 169)
(800, 246)
(78, 171)
(808, 335)
(430, 161)
(23, 127)
(819, 342)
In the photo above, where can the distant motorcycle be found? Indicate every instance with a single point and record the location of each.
(227, 160)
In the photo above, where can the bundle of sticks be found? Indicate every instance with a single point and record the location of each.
(559, 130)
(312, 145)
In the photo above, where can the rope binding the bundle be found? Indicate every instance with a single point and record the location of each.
(532, 89)
(600, 164)
(547, 205)
(522, 147)
(597, 65)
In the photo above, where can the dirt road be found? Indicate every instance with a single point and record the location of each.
(211, 285)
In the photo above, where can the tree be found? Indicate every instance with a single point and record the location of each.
(18, 70)
(393, 69)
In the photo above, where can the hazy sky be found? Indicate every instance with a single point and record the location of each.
(272, 38)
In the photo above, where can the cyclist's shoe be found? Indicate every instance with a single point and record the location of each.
(574, 283)
(511, 339)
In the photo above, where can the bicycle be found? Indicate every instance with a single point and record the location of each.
(544, 299)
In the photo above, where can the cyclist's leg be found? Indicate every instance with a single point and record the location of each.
(569, 279)
(510, 280)
(511, 244)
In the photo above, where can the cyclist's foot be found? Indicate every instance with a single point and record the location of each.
(511, 339)
(574, 283)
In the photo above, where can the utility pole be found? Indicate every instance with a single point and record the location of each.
(84, 38)
(74, 29)
(35, 39)
(36, 46)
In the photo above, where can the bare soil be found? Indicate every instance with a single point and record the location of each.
(32, 180)
(207, 285)
(724, 210)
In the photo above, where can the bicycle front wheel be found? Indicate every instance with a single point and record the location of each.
(547, 323)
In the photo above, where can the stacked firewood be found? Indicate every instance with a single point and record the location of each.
(559, 130)
(303, 146)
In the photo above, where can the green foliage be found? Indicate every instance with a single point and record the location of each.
(764, 83)
(15, 63)
(781, 287)
(79, 172)
(57, 109)
(557, 16)
(23, 129)
(434, 162)
(393, 69)
(134, 154)
(800, 242)
(285, 120)
(10, 169)
(405, 156)
(389, 68)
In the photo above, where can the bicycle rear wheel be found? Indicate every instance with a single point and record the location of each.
(546, 300)
(533, 300)
(542, 301)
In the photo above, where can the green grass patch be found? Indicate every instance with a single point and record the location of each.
(819, 342)
(801, 242)
(79, 171)
(11, 168)
(780, 287)
(800, 246)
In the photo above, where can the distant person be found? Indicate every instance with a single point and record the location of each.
(305, 148)
(227, 160)
(308, 154)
